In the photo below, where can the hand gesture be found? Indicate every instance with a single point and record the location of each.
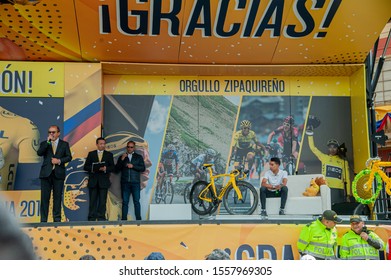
(364, 235)
(312, 123)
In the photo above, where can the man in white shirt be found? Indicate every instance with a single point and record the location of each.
(274, 185)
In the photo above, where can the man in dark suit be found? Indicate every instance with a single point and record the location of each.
(99, 179)
(56, 154)
(131, 165)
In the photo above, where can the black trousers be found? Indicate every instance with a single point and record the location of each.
(283, 193)
(97, 207)
(48, 185)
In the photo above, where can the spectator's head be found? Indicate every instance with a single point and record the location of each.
(24, 2)
(218, 254)
(274, 164)
(307, 258)
(87, 258)
(357, 224)
(14, 243)
(330, 219)
(333, 145)
(155, 256)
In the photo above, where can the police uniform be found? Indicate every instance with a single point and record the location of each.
(354, 247)
(317, 240)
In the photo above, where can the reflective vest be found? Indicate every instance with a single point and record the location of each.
(353, 247)
(317, 240)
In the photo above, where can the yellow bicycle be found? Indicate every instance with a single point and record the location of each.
(239, 197)
(363, 181)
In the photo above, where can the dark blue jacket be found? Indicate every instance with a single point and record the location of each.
(130, 175)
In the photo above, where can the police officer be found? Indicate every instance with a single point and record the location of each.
(359, 243)
(319, 238)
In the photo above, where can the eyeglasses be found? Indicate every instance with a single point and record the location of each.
(52, 132)
(131, 147)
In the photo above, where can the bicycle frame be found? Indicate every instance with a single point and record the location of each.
(212, 185)
(376, 167)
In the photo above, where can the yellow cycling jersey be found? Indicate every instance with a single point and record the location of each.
(244, 141)
(19, 142)
(334, 169)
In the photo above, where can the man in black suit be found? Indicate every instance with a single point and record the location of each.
(99, 179)
(56, 154)
(131, 165)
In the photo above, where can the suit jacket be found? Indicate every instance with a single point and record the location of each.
(131, 175)
(99, 178)
(62, 152)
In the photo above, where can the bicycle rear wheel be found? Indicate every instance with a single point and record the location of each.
(169, 195)
(200, 206)
(186, 193)
(362, 189)
(247, 205)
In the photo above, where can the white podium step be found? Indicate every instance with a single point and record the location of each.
(170, 212)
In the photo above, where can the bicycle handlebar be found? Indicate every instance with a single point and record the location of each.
(235, 172)
(368, 163)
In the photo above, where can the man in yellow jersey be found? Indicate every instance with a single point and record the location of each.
(245, 142)
(334, 168)
(19, 142)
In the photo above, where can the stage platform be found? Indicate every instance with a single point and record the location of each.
(244, 237)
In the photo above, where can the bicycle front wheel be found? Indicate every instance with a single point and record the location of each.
(169, 195)
(245, 206)
(200, 206)
(362, 187)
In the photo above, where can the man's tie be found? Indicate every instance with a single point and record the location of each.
(54, 147)
(100, 155)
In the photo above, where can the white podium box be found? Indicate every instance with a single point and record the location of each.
(170, 212)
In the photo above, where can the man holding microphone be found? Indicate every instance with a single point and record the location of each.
(56, 154)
